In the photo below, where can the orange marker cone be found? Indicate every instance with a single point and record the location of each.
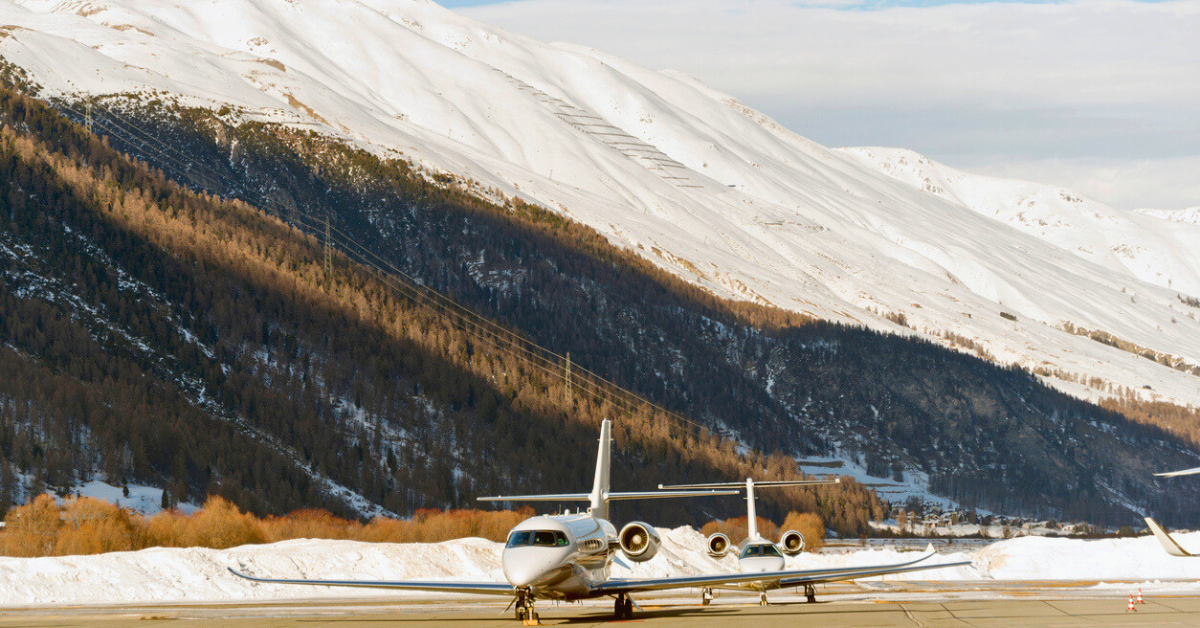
(1140, 600)
(1131, 607)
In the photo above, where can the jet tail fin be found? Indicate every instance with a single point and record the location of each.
(601, 484)
(1168, 542)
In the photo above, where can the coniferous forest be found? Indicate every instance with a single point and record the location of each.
(159, 327)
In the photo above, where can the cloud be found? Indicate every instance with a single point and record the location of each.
(1152, 183)
(1110, 80)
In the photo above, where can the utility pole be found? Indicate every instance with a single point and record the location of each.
(328, 256)
(568, 376)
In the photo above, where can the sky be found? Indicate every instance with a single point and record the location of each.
(1102, 96)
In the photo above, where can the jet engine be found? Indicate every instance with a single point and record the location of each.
(718, 545)
(792, 542)
(639, 541)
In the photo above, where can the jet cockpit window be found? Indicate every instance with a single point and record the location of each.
(752, 551)
(519, 539)
(538, 538)
(549, 538)
(771, 550)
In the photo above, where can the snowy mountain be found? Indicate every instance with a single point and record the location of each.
(1137, 244)
(1189, 216)
(691, 179)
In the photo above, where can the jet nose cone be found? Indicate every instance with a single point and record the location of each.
(521, 575)
(526, 566)
(535, 567)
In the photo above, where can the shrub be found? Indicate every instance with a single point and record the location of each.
(737, 529)
(32, 529)
(808, 524)
(84, 525)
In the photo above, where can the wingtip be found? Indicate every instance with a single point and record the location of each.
(1168, 542)
(1175, 474)
(238, 574)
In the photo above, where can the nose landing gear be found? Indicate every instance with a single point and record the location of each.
(762, 598)
(706, 597)
(525, 613)
(623, 607)
(810, 592)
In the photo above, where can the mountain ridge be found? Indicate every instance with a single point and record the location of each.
(691, 180)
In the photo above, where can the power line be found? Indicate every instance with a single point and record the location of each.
(559, 367)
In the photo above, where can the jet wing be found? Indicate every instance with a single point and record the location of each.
(1175, 474)
(485, 588)
(772, 578)
(1168, 542)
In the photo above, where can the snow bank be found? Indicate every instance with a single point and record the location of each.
(199, 575)
(1039, 558)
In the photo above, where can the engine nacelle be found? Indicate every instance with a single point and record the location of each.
(718, 545)
(792, 542)
(639, 541)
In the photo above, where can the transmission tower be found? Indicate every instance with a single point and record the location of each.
(328, 256)
(568, 376)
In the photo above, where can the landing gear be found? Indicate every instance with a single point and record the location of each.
(811, 593)
(623, 607)
(762, 598)
(525, 613)
(706, 597)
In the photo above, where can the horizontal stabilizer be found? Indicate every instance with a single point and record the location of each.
(742, 485)
(666, 494)
(552, 497)
(583, 497)
(1168, 542)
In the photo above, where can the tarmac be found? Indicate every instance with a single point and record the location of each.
(982, 605)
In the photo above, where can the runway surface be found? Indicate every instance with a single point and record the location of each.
(965, 605)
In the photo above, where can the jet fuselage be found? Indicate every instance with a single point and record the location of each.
(560, 557)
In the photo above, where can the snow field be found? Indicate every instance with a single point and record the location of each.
(197, 575)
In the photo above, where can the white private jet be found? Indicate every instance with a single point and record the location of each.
(1168, 542)
(569, 557)
(756, 554)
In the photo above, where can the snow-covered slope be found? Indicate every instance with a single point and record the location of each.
(146, 500)
(199, 575)
(690, 178)
(1136, 243)
(1189, 216)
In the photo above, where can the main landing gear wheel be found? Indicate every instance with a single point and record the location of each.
(706, 597)
(623, 607)
(811, 593)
